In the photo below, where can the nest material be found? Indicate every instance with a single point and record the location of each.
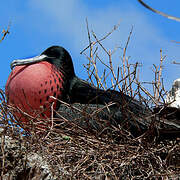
(86, 142)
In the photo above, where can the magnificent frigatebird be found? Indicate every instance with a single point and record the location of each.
(35, 84)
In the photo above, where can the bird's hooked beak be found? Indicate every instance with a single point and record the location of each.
(19, 62)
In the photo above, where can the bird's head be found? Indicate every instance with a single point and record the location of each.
(56, 55)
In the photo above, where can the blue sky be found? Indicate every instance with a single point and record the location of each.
(38, 24)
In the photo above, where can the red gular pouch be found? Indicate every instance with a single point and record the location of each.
(29, 89)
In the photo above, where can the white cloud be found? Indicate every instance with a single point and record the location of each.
(66, 18)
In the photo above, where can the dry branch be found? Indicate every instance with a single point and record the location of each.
(96, 141)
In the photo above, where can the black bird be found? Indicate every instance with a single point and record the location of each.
(34, 81)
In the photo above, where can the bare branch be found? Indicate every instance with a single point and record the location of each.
(159, 12)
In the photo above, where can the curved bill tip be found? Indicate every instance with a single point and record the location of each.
(20, 62)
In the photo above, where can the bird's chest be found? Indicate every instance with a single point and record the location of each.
(35, 89)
